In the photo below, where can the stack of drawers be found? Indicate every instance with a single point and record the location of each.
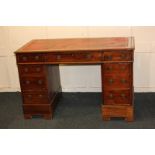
(117, 84)
(37, 93)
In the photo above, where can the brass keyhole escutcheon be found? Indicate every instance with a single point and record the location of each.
(37, 57)
(111, 81)
(123, 81)
(111, 95)
(24, 58)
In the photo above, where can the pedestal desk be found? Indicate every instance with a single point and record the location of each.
(38, 65)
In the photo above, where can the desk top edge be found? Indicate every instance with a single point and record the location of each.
(91, 44)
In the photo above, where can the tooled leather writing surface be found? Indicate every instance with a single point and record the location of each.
(83, 44)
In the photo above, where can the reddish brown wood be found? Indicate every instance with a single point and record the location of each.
(71, 57)
(117, 68)
(110, 111)
(117, 97)
(32, 70)
(38, 65)
(125, 55)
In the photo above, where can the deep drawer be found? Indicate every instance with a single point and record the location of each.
(117, 97)
(37, 109)
(36, 98)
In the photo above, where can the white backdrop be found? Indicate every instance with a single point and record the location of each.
(77, 78)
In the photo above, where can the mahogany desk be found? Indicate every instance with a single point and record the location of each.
(38, 65)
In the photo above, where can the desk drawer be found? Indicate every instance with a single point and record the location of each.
(116, 81)
(117, 68)
(26, 70)
(72, 57)
(33, 83)
(30, 57)
(118, 56)
(37, 109)
(119, 97)
(36, 97)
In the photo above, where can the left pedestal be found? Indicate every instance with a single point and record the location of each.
(40, 88)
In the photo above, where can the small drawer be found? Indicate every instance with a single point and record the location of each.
(35, 98)
(116, 81)
(33, 83)
(26, 70)
(117, 68)
(118, 97)
(71, 57)
(118, 56)
(28, 57)
(37, 109)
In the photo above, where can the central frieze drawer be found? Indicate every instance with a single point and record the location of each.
(74, 57)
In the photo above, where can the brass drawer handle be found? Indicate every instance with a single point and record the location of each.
(123, 95)
(27, 82)
(26, 69)
(24, 58)
(123, 81)
(111, 95)
(111, 81)
(29, 96)
(88, 56)
(40, 96)
(37, 57)
(40, 82)
(123, 56)
(38, 69)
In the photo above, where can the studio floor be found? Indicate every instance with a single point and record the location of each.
(76, 111)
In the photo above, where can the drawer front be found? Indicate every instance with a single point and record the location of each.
(117, 68)
(118, 56)
(74, 57)
(33, 83)
(28, 57)
(118, 97)
(26, 70)
(37, 109)
(114, 81)
(115, 111)
(35, 98)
